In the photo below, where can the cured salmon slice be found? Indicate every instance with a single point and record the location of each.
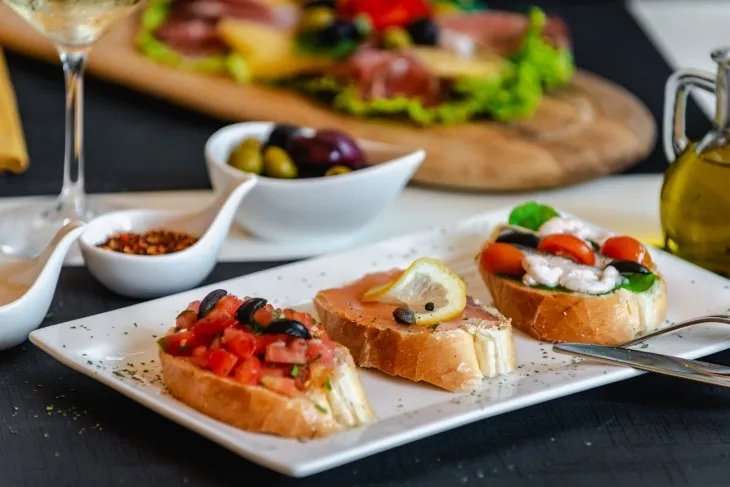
(455, 355)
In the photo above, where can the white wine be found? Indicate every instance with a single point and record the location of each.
(72, 22)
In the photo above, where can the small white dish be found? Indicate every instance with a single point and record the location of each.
(333, 208)
(143, 276)
(27, 286)
(406, 411)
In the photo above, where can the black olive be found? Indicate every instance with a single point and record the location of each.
(245, 312)
(424, 31)
(285, 326)
(430, 306)
(404, 316)
(282, 135)
(321, 3)
(629, 267)
(338, 31)
(520, 238)
(209, 302)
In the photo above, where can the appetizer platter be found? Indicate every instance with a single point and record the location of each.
(499, 89)
(312, 365)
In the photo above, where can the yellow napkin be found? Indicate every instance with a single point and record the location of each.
(13, 152)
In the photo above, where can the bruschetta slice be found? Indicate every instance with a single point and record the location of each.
(262, 369)
(455, 354)
(560, 279)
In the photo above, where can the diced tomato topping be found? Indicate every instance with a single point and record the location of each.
(186, 319)
(281, 353)
(264, 315)
(181, 343)
(303, 318)
(228, 304)
(268, 371)
(319, 351)
(239, 342)
(302, 377)
(213, 323)
(221, 362)
(194, 306)
(199, 356)
(263, 341)
(282, 385)
(249, 372)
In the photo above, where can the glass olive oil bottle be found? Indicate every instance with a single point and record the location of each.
(695, 197)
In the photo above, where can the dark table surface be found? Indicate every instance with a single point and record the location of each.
(646, 431)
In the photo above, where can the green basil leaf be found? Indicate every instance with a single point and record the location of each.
(638, 283)
(531, 215)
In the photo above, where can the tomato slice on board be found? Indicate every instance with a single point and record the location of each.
(221, 362)
(502, 258)
(282, 385)
(249, 372)
(627, 248)
(181, 343)
(570, 246)
(239, 342)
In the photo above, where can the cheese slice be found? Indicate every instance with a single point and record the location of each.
(13, 151)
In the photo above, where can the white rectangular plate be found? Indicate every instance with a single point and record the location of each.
(118, 349)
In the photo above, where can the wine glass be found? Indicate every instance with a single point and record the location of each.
(73, 26)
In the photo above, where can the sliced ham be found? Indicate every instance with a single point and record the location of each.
(389, 74)
(194, 38)
(503, 31)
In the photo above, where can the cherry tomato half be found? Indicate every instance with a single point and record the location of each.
(627, 248)
(569, 246)
(502, 258)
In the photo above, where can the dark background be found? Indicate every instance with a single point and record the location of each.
(59, 428)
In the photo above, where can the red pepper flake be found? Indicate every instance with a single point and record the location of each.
(153, 242)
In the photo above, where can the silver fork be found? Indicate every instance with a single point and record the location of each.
(702, 367)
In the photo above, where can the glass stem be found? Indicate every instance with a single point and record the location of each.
(72, 200)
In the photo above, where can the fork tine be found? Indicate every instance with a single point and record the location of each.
(716, 318)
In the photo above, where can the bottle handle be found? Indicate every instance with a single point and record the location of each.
(675, 106)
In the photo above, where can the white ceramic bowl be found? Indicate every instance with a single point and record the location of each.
(334, 207)
(144, 276)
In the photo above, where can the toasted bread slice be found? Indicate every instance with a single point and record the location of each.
(316, 413)
(455, 356)
(554, 316)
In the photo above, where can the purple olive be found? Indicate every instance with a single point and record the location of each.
(282, 135)
(315, 155)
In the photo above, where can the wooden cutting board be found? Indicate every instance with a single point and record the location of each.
(588, 130)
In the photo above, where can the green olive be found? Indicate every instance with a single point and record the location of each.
(316, 18)
(278, 164)
(396, 38)
(337, 170)
(252, 143)
(247, 157)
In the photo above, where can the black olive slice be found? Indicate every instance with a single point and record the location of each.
(245, 312)
(209, 302)
(629, 267)
(285, 326)
(404, 316)
(520, 238)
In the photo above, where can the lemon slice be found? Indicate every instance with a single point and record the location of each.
(429, 288)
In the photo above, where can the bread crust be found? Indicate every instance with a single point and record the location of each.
(610, 319)
(256, 408)
(447, 359)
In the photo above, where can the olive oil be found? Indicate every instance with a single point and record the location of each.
(695, 208)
